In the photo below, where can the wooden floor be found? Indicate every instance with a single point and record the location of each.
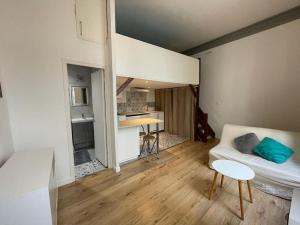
(171, 190)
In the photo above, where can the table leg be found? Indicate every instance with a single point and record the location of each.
(249, 189)
(222, 180)
(212, 185)
(148, 143)
(241, 199)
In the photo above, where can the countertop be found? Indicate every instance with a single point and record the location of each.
(138, 122)
(137, 113)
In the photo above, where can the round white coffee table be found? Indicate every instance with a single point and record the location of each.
(234, 170)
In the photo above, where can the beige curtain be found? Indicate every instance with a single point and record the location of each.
(179, 107)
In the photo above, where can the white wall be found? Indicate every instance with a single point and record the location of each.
(36, 37)
(254, 81)
(6, 146)
(80, 76)
(141, 60)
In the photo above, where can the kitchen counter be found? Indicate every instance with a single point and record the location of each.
(128, 145)
(138, 113)
(138, 122)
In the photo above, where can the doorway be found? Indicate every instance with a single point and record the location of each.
(87, 113)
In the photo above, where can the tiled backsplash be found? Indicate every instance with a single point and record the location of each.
(136, 102)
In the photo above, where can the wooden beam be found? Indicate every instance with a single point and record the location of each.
(282, 18)
(124, 85)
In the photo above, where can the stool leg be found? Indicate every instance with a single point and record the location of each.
(212, 185)
(147, 151)
(241, 199)
(153, 146)
(148, 132)
(142, 149)
(249, 189)
(222, 180)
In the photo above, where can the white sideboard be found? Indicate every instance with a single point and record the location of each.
(28, 192)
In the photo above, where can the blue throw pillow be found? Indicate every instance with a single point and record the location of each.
(272, 150)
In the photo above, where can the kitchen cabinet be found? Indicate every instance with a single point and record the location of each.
(128, 143)
(153, 126)
(91, 20)
(160, 116)
(83, 135)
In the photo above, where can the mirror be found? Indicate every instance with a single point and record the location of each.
(80, 96)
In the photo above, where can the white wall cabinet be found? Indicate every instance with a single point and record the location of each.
(91, 20)
(28, 192)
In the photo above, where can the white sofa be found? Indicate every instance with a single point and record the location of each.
(276, 179)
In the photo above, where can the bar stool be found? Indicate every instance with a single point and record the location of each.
(147, 139)
(141, 135)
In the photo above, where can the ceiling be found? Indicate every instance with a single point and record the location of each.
(179, 25)
(147, 83)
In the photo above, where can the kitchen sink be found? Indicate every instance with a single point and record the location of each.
(82, 120)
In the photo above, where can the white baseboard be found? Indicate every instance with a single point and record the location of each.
(65, 181)
(128, 161)
(117, 169)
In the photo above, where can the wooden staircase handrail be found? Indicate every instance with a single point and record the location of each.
(202, 129)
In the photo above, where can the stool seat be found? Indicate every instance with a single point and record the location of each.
(142, 133)
(148, 137)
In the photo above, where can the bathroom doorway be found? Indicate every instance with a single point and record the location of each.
(87, 112)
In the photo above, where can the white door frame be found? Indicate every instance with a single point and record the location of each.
(68, 113)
